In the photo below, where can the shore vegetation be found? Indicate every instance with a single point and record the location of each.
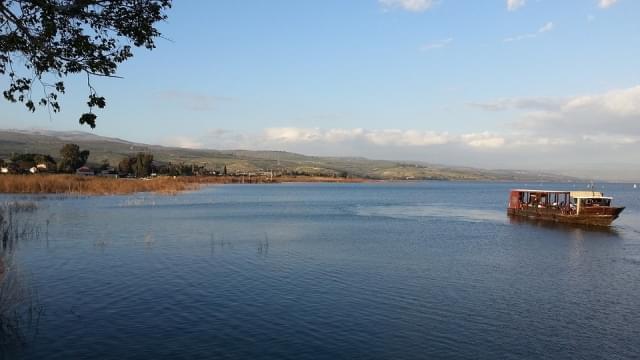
(19, 306)
(96, 185)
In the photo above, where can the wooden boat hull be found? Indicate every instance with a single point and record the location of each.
(594, 217)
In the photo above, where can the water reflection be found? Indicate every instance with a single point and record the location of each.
(576, 230)
(310, 271)
(20, 310)
(263, 246)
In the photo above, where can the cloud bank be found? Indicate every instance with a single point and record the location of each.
(613, 113)
(552, 133)
(384, 137)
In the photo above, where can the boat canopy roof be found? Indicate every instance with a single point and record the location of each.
(587, 194)
(574, 194)
(542, 191)
(592, 197)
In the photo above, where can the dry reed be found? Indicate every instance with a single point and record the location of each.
(95, 185)
(77, 185)
(18, 302)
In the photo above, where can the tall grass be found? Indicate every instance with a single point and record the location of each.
(18, 305)
(78, 185)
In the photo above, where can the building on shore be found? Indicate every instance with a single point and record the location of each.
(85, 171)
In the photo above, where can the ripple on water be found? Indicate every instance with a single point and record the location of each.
(305, 272)
(432, 211)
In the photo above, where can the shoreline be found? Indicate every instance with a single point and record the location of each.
(65, 184)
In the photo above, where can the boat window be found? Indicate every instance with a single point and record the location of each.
(601, 202)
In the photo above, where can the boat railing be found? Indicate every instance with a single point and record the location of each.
(562, 208)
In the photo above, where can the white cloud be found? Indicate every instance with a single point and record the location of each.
(544, 133)
(406, 137)
(616, 112)
(617, 103)
(546, 27)
(536, 129)
(530, 103)
(611, 139)
(540, 142)
(513, 5)
(409, 5)
(520, 37)
(483, 140)
(385, 137)
(339, 135)
(436, 44)
(552, 146)
(291, 134)
(605, 4)
(543, 29)
(183, 142)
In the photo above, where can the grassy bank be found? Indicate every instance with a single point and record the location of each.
(77, 185)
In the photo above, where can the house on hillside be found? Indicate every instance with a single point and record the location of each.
(10, 169)
(85, 171)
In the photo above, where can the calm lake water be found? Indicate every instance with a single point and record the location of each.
(330, 271)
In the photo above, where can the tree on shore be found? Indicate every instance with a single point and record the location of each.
(142, 165)
(124, 166)
(44, 159)
(172, 169)
(34, 158)
(44, 41)
(72, 158)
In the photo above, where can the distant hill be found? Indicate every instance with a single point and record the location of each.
(114, 149)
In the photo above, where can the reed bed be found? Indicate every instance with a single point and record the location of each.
(77, 185)
(19, 307)
(95, 185)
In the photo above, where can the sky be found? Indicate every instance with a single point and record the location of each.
(528, 84)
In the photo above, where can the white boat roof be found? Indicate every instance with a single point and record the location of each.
(584, 194)
(592, 197)
(542, 191)
(587, 194)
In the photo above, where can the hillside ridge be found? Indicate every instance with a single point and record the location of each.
(114, 149)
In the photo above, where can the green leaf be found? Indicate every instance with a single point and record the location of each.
(89, 119)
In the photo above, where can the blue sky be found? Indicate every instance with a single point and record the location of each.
(454, 81)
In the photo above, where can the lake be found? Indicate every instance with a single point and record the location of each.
(330, 271)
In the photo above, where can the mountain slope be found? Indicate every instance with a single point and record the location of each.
(114, 149)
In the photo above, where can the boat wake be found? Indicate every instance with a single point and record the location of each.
(432, 211)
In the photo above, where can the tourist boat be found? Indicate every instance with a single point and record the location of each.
(577, 207)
